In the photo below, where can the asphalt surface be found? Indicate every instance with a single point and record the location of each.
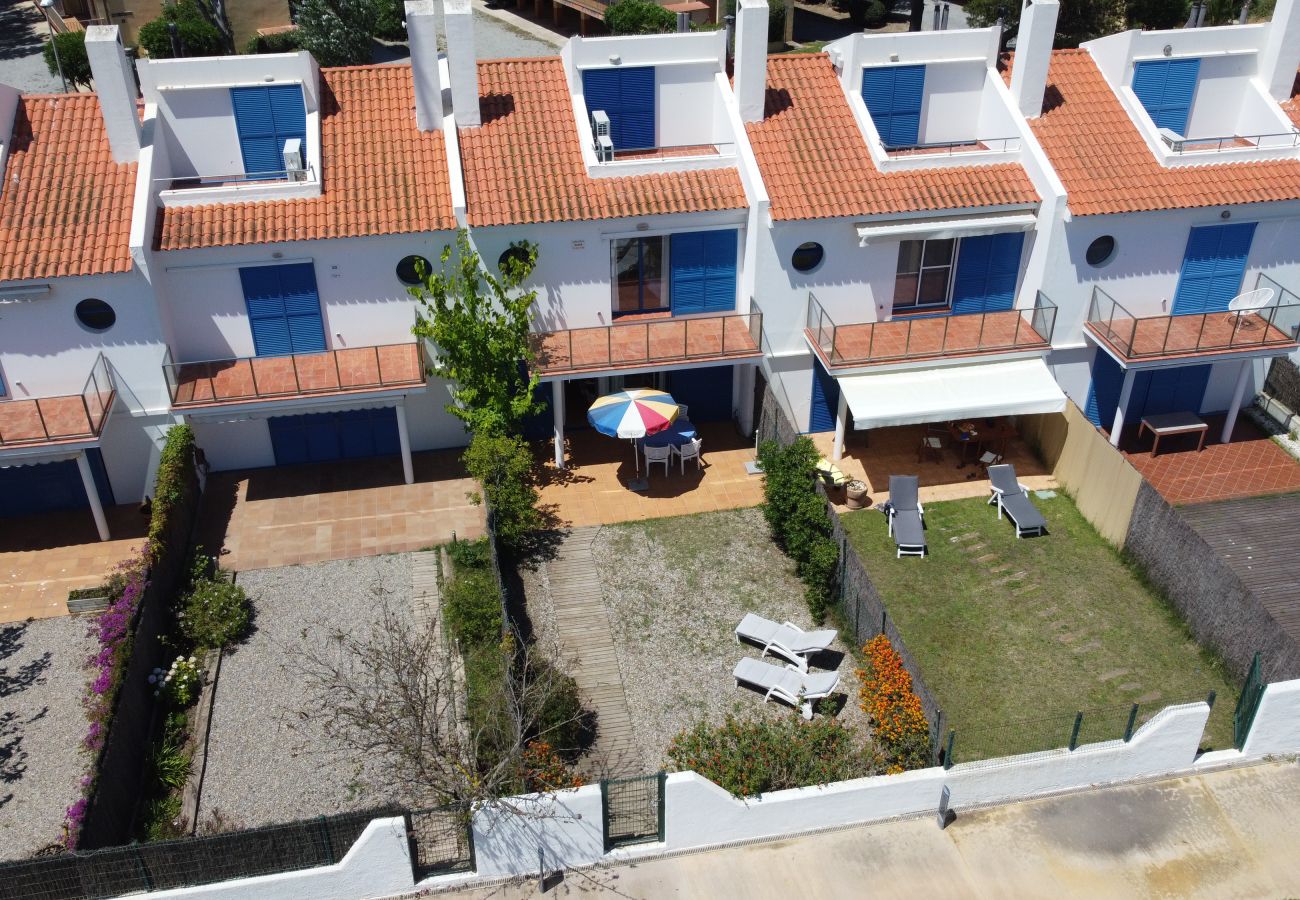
(22, 36)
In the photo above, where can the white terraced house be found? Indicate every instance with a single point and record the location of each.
(902, 230)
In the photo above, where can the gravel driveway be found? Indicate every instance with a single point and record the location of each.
(267, 762)
(42, 723)
(23, 34)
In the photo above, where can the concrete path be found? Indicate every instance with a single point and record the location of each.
(23, 33)
(586, 639)
(1227, 834)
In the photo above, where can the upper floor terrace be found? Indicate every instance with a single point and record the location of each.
(65, 419)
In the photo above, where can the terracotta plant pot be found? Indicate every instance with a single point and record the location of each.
(856, 495)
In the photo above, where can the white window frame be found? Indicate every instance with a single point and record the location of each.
(951, 266)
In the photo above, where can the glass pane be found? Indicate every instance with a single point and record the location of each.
(654, 274)
(627, 275)
(934, 286)
(905, 291)
(909, 257)
(939, 253)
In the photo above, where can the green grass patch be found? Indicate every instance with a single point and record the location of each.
(1014, 636)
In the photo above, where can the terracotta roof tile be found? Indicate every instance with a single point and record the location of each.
(524, 163)
(1107, 167)
(395, 184)
(816, 164)
(1292, 107)
(65, 206)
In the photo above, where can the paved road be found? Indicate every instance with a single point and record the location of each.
(22, 36)
(1227, 834)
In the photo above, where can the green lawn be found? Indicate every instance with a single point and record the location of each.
(1013, 636)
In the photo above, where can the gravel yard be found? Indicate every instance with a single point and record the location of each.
(267, 762)
(42, 723)
(674, 590)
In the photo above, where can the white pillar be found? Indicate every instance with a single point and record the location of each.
(1033, 54)
(115, 86)
(841, 425)
(751, 59)
(557, 411)
(422, 33)
(743, 397)
(1125, 393)
(1238, 394)
(92, 494)
(404, 441)
(462, 67)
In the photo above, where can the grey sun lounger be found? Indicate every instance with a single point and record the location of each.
(1012, 497)
(785, 640)
(789, 684)
(906, 516)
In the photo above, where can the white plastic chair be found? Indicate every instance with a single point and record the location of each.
(690, 450)
(1249, 302)
(657, 455)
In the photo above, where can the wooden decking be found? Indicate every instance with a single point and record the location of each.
(1257, 538)
(586, 640)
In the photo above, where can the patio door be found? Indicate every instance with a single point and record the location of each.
(1158, 391)
(331, 436)
(825, 399)
(283, 309)
(1213, 266)
(51, 487)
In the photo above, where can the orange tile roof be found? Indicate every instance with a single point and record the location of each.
(1292, 107)
(524, 163)
(381, 174)
(65, 206)
(1107, 167)
(816, 164)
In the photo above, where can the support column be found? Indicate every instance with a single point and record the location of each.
(557, 411)
(404, 442)
(1124, 394)
(742, 398)
(92, 494)
(1238, 394)
(841, 426)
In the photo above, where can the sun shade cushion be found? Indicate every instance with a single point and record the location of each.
(908, 531)
(903, 492)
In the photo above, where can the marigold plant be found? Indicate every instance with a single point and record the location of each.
(545, 770)
(894, 710)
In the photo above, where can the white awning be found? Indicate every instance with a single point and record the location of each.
(1021, 387)
(949, 227)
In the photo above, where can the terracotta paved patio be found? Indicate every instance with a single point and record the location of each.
(1188, 335)
(53, 418)
(43, 557)
(646, 341)
(923, 338)
(261, 518)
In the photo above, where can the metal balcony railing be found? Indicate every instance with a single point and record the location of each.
(948, 148)
(70, 417)
(1279, 140)
(649, 342)
(1141, 337)
(920, 337)
(244, 379)
(280, 176)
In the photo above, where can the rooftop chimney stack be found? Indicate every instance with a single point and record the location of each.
(1281, 56)
(1033, 55)
(115, 85)
(751, 58)
(462, 68)
(422, 30)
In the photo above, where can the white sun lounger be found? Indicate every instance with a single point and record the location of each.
(789, 684)
(787, 640)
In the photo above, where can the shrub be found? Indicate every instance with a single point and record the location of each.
(390, 24)
(72, 55)
(894, 710)
(471, 605)
(559, 722)
(470, 554)
(215, 612)
(545, 770)
(279, 42)
(199, 36)
(797, 517)
(638, 17)
(775, 20)
(503, 465)
(752, 756)
(336, 32)
(172, 487)
(179, 685)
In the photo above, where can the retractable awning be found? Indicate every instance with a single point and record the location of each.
(1020, 387)
(948, 227)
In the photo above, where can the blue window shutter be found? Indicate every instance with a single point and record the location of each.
(265, 117)
(988, 267)
(383, 427)
(1166, 88)
(893, 95)
(1213, 266)
(289, 113)
(628, 97)
(324, 442)
(719, 271)
(825, 399)
(302, 307)
(686, 259)
(266, 316)
(1103, 391)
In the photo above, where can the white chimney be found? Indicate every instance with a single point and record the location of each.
(1281, 56)
(462, 68)
(1033, 54)
(115, 85)
(751, 58)
(422, 31)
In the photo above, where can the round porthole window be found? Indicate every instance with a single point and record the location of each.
(807, 256)
(518, 254)
(409, 269)
(1100, 251)
(96, 314)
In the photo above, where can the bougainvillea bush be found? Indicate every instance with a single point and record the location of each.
(899, 725)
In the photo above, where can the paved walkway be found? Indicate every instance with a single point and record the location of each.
(1228, 834)
(585, 637)
(23, 33)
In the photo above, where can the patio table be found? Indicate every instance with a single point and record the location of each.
(673, 436)
(1173, 423)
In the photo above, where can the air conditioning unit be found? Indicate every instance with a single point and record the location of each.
(600, 134)
(293, 164)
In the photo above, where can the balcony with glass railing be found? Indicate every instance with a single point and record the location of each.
(669, 340)
(353, 370)
(1132, 337)
(66, 419)
(843, 345)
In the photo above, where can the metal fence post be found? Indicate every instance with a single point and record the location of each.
(1074, 733)
(1132, 717)
(663, 825)
(604, 814)
(947, 753)
(323, 825)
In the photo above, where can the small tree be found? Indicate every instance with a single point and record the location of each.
(337, 32)
(1078, 21)
(198, 35)
(390, 22)
(1154, 15)
(503, 465)
(72, 54)
(638, 17)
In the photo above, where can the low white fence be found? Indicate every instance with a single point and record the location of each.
(567, 827)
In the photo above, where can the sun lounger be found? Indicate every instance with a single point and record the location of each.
(788, 684)
(1012, 497)
(906, 516)
(903, 491)
(786, 640)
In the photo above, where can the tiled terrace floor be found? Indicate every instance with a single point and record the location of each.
(1251, 465)
(43, 557)
(336, 371)
(1188, 335)
(934, 337)
(52, 418)
(645, 342)
(290, 515)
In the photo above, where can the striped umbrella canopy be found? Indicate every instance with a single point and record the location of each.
(633, 414)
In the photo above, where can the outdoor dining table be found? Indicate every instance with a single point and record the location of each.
(675, 435)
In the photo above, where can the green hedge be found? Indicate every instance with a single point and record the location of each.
(796, 514)
(471, 596)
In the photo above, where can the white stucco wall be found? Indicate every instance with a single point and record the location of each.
(1276, 730)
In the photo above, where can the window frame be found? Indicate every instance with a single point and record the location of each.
(665, 275)
(93, 329)
(916, 306)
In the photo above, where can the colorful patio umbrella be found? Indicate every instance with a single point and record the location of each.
(633, 414)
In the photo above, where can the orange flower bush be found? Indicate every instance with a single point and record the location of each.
(544, 769)
(886, 696)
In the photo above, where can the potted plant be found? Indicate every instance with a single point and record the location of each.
(856, 494)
